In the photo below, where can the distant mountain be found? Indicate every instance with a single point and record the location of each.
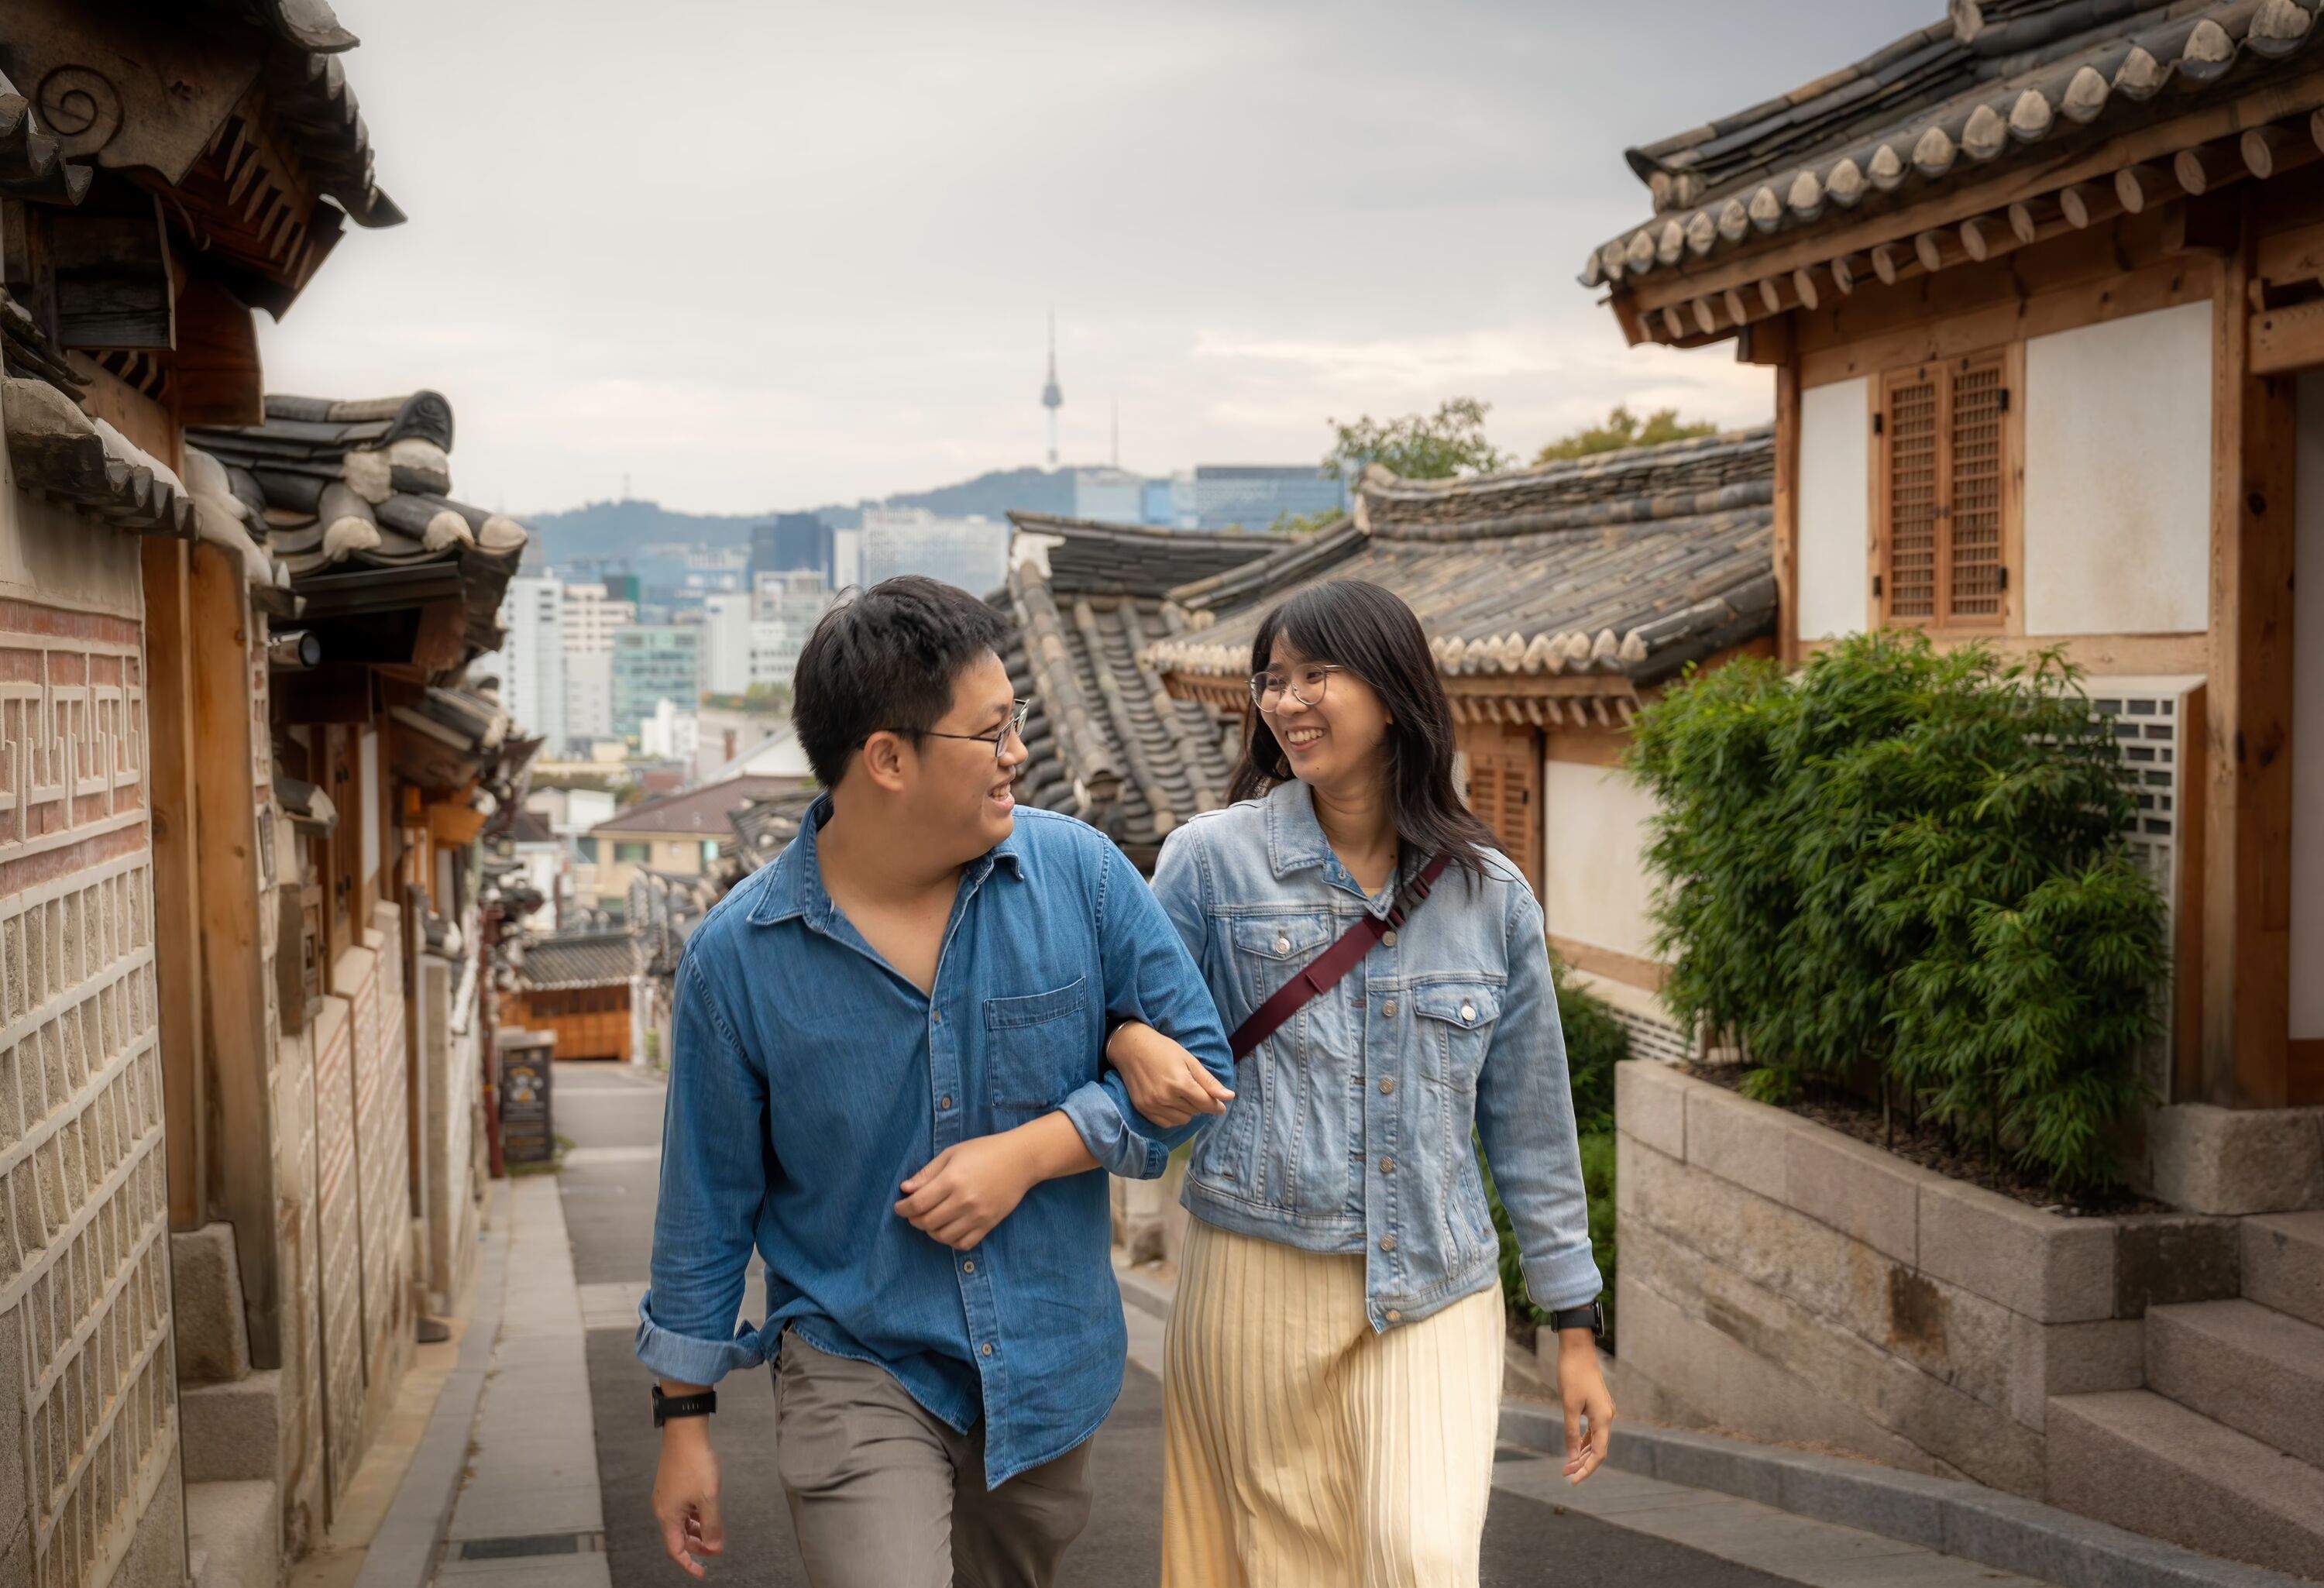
(617, 529)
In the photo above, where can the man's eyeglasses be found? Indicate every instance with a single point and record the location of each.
(1014, 728)
(1305, 683)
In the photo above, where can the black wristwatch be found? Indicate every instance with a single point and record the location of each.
(666, 1407)
(1591, 1316)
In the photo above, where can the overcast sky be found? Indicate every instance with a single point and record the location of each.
(745, 256)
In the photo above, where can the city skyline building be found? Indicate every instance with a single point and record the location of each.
(590, 616)
(1253, 495)
(652, 662)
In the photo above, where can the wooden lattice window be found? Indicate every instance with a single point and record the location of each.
(1505, 790)
(1944, 506)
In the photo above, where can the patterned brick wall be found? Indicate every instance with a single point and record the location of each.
(340, 1251)
(382, 1153)
(86, 1392)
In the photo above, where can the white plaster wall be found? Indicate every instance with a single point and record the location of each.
(2118, 475)
(1835, 500)
(2308, 720)
(1596, 881)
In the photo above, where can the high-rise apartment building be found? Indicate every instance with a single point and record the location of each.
(532, 656)
(968, 552)
(590, 616)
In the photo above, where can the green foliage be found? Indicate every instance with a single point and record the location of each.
(1915, 859)
(1623, 430)
(1595, 1042)
(1419, 445)
(1303, 523)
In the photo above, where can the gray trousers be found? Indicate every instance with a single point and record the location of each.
(883, 1495)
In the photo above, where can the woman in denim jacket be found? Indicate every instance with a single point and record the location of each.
(1334, 1361)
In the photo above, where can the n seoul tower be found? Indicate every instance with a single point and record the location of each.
(1052, 397)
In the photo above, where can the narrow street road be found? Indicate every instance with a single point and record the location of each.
(608, 1186)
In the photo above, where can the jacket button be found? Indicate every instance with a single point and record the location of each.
(1468, 1011)
(986, 1348)
(945, 1100)
(969, 1267)
(1388, 1009)
(1387, 1243)
(1388, 938)
(1387, 1086)
(1283, 946)
(1387, 1165)
(1394, 1316)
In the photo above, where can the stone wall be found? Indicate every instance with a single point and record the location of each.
(87, 1393)
(1783, 1281)
(453, 1088)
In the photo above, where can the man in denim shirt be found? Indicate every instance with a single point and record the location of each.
(890, 1078)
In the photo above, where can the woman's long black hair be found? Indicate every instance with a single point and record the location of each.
(1374, 636)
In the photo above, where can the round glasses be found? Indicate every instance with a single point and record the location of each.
(1014, 728)
(1305, 683)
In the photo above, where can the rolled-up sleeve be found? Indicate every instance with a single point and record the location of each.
(1149, 977)
(713, 1181)
(1525, 1118)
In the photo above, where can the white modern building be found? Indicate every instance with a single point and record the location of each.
(531, 657)
(968, 552)
(726, 624)
(670, 733)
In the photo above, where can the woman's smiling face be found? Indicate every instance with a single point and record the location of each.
(1341, 738)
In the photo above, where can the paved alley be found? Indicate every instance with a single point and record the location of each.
(563, 1324)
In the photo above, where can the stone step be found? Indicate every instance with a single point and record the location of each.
(233, 1535)
(2239, 1364)
(232, 1432)
(2145, 1462)
(2283, 1264)
(205, 1314)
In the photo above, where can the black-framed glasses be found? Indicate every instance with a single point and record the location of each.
(1014, 728)
(1305, 683)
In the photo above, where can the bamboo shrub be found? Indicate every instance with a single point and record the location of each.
(1917, 858)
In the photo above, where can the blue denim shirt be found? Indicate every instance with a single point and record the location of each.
(1350, 1127)
(808, 1079)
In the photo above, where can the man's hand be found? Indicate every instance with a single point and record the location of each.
(1582, 1390)
(1167, 1083)
(968, 1189)
(685, 1493)
(972, 1186)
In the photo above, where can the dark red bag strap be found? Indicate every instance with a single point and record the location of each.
(1325, 969)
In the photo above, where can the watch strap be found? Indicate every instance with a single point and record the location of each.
(666, 1407)
(1589, 1315)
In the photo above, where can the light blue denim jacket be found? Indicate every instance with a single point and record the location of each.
(1350, 1127)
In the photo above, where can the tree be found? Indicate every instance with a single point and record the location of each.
(1419, 445)
(1621, 432)
(1303, 523)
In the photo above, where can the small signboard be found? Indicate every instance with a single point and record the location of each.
(528, 1132)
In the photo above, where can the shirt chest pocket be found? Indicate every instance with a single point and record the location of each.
(1271, 949)
(1454, 1022)
(1039, 1047)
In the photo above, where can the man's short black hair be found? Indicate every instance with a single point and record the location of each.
(885, 659)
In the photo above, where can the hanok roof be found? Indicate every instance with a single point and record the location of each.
(763, 827)
(1107, 742)
(579, 959)
(353, 499)
(241, 107)
(1605, 575)
(1999, 82)
(697, 813)
(59, 452)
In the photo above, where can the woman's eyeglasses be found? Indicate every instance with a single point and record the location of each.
(1014, 728)
(1305, 683)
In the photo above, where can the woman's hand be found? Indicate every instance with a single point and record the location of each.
(1167, 1085)
(1581, 1391)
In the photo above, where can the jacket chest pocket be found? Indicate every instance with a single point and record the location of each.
(1039, 1046)
(1271, 949)
(1454, 1024)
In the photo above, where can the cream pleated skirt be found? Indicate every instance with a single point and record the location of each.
(1304, 1450)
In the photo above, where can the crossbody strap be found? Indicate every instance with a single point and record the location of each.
(1322, 973)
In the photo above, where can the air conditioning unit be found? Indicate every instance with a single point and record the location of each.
(2158, 727)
